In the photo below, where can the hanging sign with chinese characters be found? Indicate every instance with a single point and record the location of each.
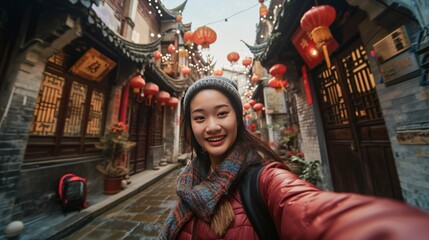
(308, 49)
(93, 65)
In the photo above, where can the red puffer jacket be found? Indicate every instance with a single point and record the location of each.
(301, 211)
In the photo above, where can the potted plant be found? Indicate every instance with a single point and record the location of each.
(114, 144)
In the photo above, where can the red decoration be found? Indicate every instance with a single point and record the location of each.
(124, 103)
(179, 18)
(278, 70)
(173, 102)
(162, 97)
(306, 85)
(248, 116)
(261, 1)
(258, 107)
(188, 37)
(137, 82)
(279, 85)
(204, 36)
(255, 78)
(246, 61)
(186, 70)
(149, 90)
(218, 72)
(317, 21)
(263, 10)
(252, 102)
(171, 48)
(308, 49)
(246, 106)
(157, 55)
(233, 57)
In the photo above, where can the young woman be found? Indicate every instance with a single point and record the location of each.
(210, 206)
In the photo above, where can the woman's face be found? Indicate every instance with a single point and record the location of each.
(213, 122)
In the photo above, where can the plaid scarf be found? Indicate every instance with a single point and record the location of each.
(200, 193)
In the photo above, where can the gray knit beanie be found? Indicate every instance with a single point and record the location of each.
(224, 85)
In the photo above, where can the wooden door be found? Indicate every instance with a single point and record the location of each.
(360, 156)
(140, 115)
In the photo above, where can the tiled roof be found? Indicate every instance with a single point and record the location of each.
(257, 50)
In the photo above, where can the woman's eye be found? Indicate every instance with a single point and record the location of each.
(198, 118)
(222, 114)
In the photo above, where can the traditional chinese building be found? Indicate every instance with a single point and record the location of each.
(365, 115)
(65, 77)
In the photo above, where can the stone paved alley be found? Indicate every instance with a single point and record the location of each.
(139, 217)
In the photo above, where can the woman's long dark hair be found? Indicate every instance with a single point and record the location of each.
(243, 135)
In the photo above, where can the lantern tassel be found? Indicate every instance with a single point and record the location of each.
(326, 54)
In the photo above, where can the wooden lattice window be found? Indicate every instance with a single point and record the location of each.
(333, 105)
(48, 106)
(68, 115)
(361, 85)
(95, 115)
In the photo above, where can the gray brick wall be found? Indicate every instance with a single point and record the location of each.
(405, 107)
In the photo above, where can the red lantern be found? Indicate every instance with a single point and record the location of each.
(157, 55)
(263, 10)
(258, 107)
(246, 106)
(137, 82)
(279, 85)
(162, 97)
(179, 18)
(278, 70)
(233, 57)
(255, 78)
(171, 48)
(188, 37)
(204, 36)
(252, 102)
(246, 61)
(317, 21)
(261, 1)
(173, 102)
(149, 90)
(218, 72)
(186, 70)
(248, 116)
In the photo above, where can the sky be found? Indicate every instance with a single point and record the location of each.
(241, 26)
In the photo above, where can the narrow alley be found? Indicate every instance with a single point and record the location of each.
(139, 217)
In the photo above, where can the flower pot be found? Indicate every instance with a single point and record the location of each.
(112, 185)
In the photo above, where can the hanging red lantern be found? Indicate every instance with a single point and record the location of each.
(248, 116)
(218, 72)
(204, 36)
(149, 90)
(258, 107)
(179, 18)
(137, 82)
(255, 78)
(188, 37)
(278, 70)
(317, 21)
(246, 61)
(172, 102)
(252, 102)
(162, 97)
(261, 1)
(279, 85)
(171, 48)
(186, 70)
(263, 10)
(246, 106)
(157, 55)
(233, 57)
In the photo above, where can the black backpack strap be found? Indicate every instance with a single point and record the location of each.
(254, 207)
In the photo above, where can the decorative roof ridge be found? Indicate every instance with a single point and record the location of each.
(179, 9)
(176, 85)
(134, 51)
(257, 47)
